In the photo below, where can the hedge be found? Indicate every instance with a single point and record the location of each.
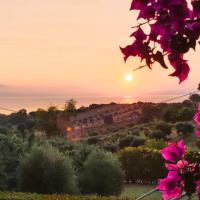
(142, 165)
(33, 196)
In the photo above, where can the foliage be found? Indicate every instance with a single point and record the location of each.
(46, 171)
(174, 29)
(11, 149)
(102, 175)
(195, 98)
(33, 196)
(126, 141)
(80, 154)
(175, 114)
(157, 134)
(155, 144)
(142, 164)
(184, 128)
(70, 106)
(18, 117)
(47, 120)
(163, 127)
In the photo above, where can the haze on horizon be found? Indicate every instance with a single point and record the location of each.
(55, 47)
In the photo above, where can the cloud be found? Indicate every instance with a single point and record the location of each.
(3, 86)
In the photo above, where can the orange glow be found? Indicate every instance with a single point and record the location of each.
(69, 129)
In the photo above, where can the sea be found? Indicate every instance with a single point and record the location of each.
(31, 103)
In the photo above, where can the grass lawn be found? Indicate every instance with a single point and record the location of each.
(135, 190)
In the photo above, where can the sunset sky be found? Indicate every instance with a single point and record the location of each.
(71, 47)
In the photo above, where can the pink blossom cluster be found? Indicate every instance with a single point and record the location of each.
(182, 175)
(197, 120)
(174, 30)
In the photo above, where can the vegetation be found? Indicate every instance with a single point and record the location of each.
(33, 196)
(102, 175)
(46, 171)
(142, 165)
(35, 154)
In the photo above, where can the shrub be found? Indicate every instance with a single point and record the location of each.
(93, 140)
(164, 127)
(157, 134)
(28, 196)
(102, 175)
(80, 153)
(3, 130)
(184, 128)
(155, 144)
(142, 164)
(11, 148)
(126, 141)
(46, 171)
(185, 114)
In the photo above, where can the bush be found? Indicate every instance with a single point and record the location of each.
(155, 144)
(79, 155)
(157, 134)
(102, 175)
(11, 148)
(46, 171)
(28, 196)
(126, 141)
(141, 164)
(93, 140)
(184, 128)
(164, 127)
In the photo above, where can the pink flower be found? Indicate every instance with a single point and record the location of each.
(174, 151)
(197, 116)
(180, 65)
(170, 186)
(176, 167)
(198, 188)
(197, 133)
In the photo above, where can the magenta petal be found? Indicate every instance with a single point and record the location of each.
(197, 133)
(174, 151)
(197, 118)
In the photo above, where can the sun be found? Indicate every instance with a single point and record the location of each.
(128, 77)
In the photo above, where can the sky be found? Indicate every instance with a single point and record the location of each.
(71, 47)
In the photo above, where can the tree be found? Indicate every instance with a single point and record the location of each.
(185, 114)
(70, 106)
(47, 121)
(11, 148)
(102, 175)
(46, 171)
(195, 98)
(164, 127)
(158, 134)
(184, 128)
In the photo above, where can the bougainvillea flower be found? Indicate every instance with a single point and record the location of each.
(180, 65)
(176, 167)
(198, 188)
(138, 4)
(197, 118)
(196, 8)
(181, 71)
(174, 151)
(139, 34)
(170, 186)
(194, 29)
(147, 12)
(197, 133)
(138, 48)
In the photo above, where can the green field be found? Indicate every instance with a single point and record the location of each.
(133, 191)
